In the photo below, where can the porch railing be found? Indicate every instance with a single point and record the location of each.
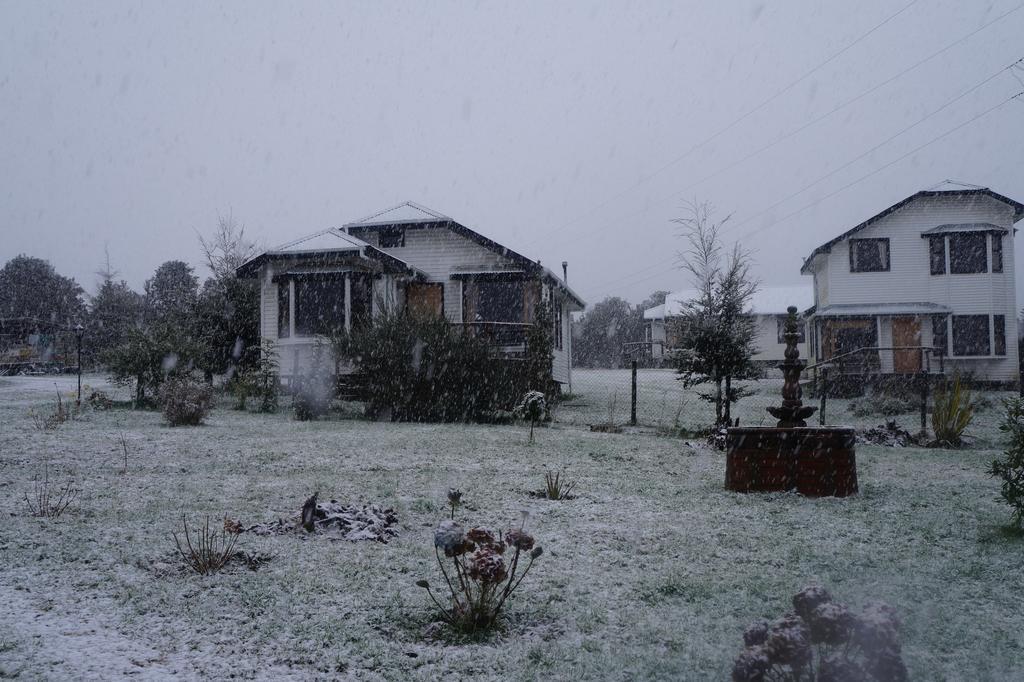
(868, 360)
(507, 338)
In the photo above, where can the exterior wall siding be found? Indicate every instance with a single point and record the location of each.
(766, 340)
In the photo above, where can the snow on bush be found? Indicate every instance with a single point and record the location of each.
(185, 401)
(532, 408)
(823, 641)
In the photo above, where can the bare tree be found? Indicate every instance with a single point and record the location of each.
(227, 248)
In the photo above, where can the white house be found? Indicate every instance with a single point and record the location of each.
(408, 257)
(935, 270)
(768, 306)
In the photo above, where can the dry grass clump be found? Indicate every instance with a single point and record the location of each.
(47, 502)
(206, 551)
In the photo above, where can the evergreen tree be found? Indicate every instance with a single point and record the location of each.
(716, 332)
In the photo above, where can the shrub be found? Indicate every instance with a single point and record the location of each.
(206, 551)
(884, 406)
(951, 413)
(311, 397)
(823, 640)
(556, 487)
(1010, 469)
(482, 581)
(50, 502)
(532, 408)
(185, 401)
(98, 400)
(422, 368)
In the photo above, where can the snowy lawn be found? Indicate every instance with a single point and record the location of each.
(651, 573)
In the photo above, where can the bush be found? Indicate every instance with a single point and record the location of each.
(532, 408)
(1010, 469)
(426, 369)
(823, 640)
(951, 414)
(884, 406)
(98, 400)
(311, 396)
(185, 401)
(482, 581)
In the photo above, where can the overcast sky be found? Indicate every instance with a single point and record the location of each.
(568, 131)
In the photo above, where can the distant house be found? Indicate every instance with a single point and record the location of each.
(406, 257)
(768, 306)
(935, 270)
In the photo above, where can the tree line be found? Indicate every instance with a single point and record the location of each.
(174, 325)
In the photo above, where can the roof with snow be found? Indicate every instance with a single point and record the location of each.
(949, 188)
(403, 214)
(765, 301)
(330, 244)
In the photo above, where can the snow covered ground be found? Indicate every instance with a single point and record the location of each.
(651, 573)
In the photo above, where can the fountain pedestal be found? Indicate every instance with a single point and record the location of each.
(813, 461)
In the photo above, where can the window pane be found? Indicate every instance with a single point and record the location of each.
(967, 253)
(362, 301)
(283, 313)
(556, 317)
(319, 305)
(939, 337)
(499, 301)
(999, 332)
(869, 255)
(997, 253)
(970, 335)
(937, 253)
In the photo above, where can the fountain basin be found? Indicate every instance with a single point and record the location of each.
(813, 461)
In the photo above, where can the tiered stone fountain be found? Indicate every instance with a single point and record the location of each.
(813, 461)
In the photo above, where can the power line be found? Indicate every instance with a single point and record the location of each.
(742, 117)
(880, 144)
(795, 131)
(650, 275)
(880, 169)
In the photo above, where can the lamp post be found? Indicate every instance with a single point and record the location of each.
(79, 331)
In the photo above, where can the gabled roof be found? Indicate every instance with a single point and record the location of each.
(415, 216)
(765, 301)
(331, 239)
(330, 244)
(948, 189)
(406, 213)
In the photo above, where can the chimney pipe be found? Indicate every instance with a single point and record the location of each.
(565, 271)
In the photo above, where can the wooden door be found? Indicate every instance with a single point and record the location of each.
(906, 331)
(425, 299)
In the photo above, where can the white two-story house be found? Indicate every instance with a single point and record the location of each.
(405, 257)
(934, 271)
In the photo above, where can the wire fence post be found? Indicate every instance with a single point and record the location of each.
(632, 404)
(823, 387)
(924, 402)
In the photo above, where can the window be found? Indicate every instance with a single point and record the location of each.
(869, 255)
(283, 310)
(498, 301)
(937, 254)
(800, 329)
(970, 335)
(392, 238)
(556, 316)
(997, 252)
(319, 305)
(999, 334)
(940, 339)
(967, 253)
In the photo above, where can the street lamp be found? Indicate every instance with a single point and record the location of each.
(79, 331)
